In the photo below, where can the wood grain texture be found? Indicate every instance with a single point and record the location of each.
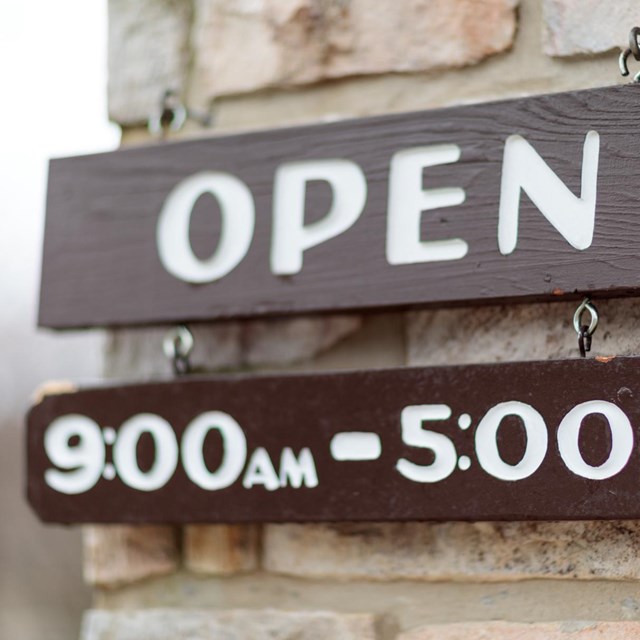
(101, 265)
(308, 410)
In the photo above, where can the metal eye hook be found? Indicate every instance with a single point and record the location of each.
(584, 331)
(633, 49)
(177, 346)
(170, 116)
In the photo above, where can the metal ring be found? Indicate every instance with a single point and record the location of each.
(633, 49)
(622, 62)
(170, 116)
(178, 343)
(624, 68)
(586, 305)
(178, 116)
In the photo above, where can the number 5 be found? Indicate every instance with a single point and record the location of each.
(414, 435)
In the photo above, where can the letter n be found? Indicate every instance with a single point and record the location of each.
(524, 170)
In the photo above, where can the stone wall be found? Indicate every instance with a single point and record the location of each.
(263, 63)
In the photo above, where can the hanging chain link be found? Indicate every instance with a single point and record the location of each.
(632, 49)
(585, 331)
(177, 346)
(172, 115)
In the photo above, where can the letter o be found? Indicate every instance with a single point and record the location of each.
(125, 452)
(238, 221)
(487, 444)
(234, 450)
(621, 440)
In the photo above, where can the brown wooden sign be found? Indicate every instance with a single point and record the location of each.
(525, 441)
(529, 199)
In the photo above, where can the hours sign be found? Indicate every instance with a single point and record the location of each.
(525, 441)
(529, 199)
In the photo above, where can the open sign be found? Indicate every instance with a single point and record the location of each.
(523, 170)
(529, 199)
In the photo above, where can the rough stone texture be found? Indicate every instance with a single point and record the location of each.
(297, 42)
(587, 26)
(168, 624)
(517, 332)
(455, 551)
(498, 78)
(569, 630)
(116, 555)
(280, 342)
(221, 549)
(137, 353)
(400, 604)
(148, 54)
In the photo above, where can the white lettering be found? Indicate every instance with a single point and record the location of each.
(298, 471)
(290, 235)
(234, 448)
(413, 434)
(260, 471)
(238, 221)
(355, 445)
(83, 463)
(125, 456)
(487, 441)
(621, 440)
(524, 170)
(407, 201)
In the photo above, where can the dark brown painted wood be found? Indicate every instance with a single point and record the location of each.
(299, 411)
(101, 265)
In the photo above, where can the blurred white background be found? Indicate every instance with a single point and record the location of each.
(52, 103)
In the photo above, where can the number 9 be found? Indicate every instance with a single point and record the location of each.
(84, 462)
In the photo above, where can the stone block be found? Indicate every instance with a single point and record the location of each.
(297, 42)
(458, 551)
(118, 555)
(138, 354)
(280, 342)
(569, 630)
(148, 54)
(574, 27)
(221, 549)
(168, 624)
(517, 332)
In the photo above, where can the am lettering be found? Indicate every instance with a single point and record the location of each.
(294, 471)
(523, 170)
